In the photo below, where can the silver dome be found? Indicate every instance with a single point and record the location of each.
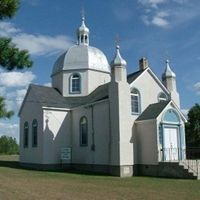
(81, 57)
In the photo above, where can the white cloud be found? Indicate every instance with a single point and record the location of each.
(42, 44)
(7, 29)
(36, 44)
(152, 3)
(159, 19)
(11, 130)
(2, 91)
(16, 79)
(47, 84)
(169, 13)
(197, 88)
(20, 94)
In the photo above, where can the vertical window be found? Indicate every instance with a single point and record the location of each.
(135, 102)
(81, 38)
(75, 83)
(34, 133)
(25, 134)
(83, 131)
(85, 38)
(162, 97)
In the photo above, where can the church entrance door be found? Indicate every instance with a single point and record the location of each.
(170, 144)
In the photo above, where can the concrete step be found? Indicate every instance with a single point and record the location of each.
(176, 170)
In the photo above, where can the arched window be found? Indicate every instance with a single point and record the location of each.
(162, 97)
(34, 133)
(83, 131)
(135, 101)
(85, 38)
(171, 116)
(81, 38)
(25, 134)
(75, 83)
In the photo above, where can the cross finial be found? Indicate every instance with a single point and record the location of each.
(167, 55)
(83, 13)
(117, 41)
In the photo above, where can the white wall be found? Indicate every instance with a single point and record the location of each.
(146, 139)
(90, 80)
(84, 154)
(31, 110)
(149, 89)
(121, 124)
(96, 78)
(56, 134)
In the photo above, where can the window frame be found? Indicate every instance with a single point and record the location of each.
(81, 132)
(71, 79)
(161, 98)
(137, 94)
(34, 134)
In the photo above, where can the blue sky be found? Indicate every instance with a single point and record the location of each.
(156, 29)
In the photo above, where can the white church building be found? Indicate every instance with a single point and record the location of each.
(97, 118)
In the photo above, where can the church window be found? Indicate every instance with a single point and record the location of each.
(162, 97)
(83, 131)
(81, 38)
(171, 116)
(85, 38)
(25, 134)
(135, 101)
(34, 133)
(75, 83)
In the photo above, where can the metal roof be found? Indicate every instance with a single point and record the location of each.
(133, 76)
(50, 97)
(152, 111)
(82, 57)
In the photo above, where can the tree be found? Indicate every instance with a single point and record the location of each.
(3, 112)
(11, 57)
(193, 127)
(8, 8)
(8, 145)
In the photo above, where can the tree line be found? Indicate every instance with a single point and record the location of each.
(8, 145)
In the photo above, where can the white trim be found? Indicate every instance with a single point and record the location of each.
(158, 81)
(155, 78)
(80, 69)
(54, 108)
(137, 78)
(90, 104)
(176, 109)
(145, 120)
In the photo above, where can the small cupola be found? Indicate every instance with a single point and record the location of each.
(168, 73)
(83, 33)
(118, 67)
(118, 60)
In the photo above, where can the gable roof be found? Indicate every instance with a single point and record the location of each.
(100, 93)
(133, 76)
(50, 97)
(153, 111)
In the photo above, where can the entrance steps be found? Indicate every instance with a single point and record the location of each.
(188, 169)
(192, 166)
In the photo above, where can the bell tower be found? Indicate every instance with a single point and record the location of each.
(169, 80)
(83, 33)
(121, 149)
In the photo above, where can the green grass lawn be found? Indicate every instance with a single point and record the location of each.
(19, 184)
